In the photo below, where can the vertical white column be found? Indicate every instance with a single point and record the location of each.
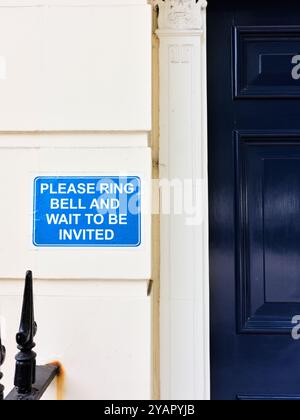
(184, 242)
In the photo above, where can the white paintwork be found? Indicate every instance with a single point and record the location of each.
(99, 331)
(75, 140)
(85, 3)
(76, 68)
(80, 72)
(16, 212)
(184, 260)
(3, 68)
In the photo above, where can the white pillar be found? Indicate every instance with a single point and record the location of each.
(184, 270)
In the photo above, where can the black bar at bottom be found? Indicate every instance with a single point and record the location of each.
(44, 376)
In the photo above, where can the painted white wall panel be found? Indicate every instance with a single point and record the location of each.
(25, 3)
(21, 50)
(19, 168)
(96, 77)
(83, 67)
(76, 68)
(102, 338)
(76, 140)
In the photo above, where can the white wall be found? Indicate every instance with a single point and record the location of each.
(76, 67)
(75, 81)
(98, 330)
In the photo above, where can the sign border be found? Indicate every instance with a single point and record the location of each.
(36, 245)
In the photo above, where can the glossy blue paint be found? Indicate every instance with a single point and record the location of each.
(264, 61)
(254, 177)
(268, 230)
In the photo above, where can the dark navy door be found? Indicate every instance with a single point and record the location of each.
(254, 176)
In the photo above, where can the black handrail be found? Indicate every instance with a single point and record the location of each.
(2, 359)
(31, 381)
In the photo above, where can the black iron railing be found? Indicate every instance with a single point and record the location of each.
(2, 359)
(31, 381)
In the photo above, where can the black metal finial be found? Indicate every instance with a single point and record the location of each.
(26, 359)
(2, 359)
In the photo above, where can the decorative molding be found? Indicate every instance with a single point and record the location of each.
(181, 54)
(184, 279)
(180, 14)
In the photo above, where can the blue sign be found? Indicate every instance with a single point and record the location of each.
(87, 212)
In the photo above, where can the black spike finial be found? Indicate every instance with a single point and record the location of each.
(2, 359)
(26, 358)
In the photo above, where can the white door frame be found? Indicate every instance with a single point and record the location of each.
(185, 357)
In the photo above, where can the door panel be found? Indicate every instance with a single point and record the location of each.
(264, 61)
(254, 177)
(268, 231)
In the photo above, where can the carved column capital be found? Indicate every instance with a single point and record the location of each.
(180, 14)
